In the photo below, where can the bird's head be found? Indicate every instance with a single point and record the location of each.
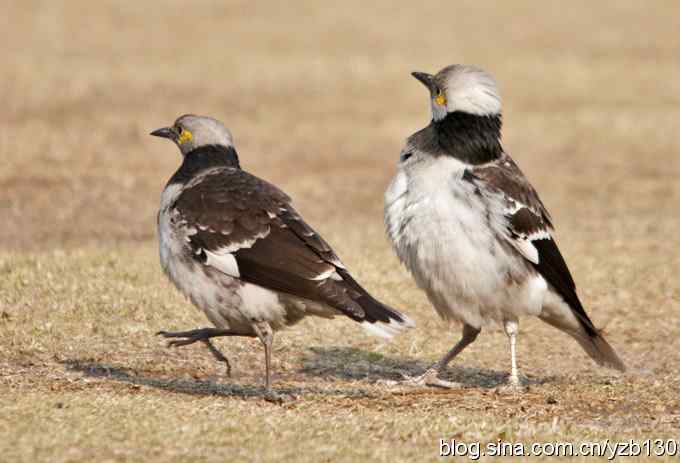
(190, 132)
(462, 88)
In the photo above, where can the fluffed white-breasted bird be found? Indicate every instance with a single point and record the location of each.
(236, 247)
(472, 230)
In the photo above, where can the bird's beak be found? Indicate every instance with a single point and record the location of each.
(165, 132)
(425, 78)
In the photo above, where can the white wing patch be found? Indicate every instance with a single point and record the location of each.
(247, 243)
(330, 273)
(327, 274)
(223, 261)
(526, 248)
(514, 207)
(540, 235)
(522, 242)
(525, 244)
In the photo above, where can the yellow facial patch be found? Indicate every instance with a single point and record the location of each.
(184, 137)
(440, 99)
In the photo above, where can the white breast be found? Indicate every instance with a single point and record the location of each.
(168, 243)
(446, 235)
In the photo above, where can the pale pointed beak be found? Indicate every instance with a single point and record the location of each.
(165, 132)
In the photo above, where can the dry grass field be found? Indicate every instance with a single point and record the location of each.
(320, 99)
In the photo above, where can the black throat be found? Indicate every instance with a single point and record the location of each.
(204, 158)
(470, 138)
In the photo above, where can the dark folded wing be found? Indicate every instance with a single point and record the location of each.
(529, 227)
(247, 228)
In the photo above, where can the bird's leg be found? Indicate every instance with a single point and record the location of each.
(511, 328)
(203, 335)
(268, 361)
(264, 331)
(430, 377)
(219, 356)
(193, 336)
(266, 335)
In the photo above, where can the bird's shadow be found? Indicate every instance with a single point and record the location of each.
(340, 363)
(349, 363)
(197, 387)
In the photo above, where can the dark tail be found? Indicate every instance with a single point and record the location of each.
(590, 340)
(599, 350)
(380, 319)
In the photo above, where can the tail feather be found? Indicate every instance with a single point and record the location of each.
(379, 319)
(562, 317)
(382, 320)
(599, 350)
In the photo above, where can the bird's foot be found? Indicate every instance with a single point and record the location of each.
(190, 336)
(218, 356)
(516, 384)
(202, 335)
(278, 398)
(429, 378)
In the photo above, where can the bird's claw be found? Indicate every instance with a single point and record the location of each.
(191, 337)
(277, 397)
(515, 385)
(429, 378)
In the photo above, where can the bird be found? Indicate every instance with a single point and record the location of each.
(237, 248)
(473, 232)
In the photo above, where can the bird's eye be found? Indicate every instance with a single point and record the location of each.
(440, 99)
(406, 155)
(183, 135)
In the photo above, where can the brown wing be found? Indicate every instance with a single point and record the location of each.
(247, 228)
(529, 227)
(504, 175)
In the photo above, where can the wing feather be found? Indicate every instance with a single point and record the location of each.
(528, 227)
(247, 228)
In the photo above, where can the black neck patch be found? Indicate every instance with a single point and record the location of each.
(203, 158)
(470, 138)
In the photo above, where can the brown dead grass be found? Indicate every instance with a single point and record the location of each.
(319, 99)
